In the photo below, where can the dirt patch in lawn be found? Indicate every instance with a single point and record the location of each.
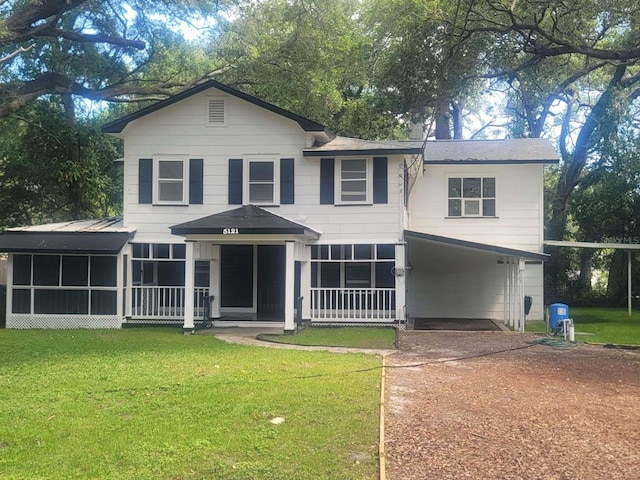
(491, 405)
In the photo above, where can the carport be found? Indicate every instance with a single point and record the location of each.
(453, 278)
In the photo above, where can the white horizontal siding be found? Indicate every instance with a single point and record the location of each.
(534, 287)
(180, 129)
(518, 205)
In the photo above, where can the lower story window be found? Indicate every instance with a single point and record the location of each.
(64, 284)
(360, 266)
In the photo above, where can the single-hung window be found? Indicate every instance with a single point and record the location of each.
(472, 197)
(171, 181)
(353, 181)
(261, 182)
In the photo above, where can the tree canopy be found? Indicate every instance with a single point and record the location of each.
(98, 49)
(563, 69)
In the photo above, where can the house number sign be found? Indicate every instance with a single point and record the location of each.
(230, 231)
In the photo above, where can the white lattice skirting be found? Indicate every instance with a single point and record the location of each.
(25, 321)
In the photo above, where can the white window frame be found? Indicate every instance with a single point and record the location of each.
(157, 180)
(207, 117)
(480, 199)
(368, 181)
(246, 180)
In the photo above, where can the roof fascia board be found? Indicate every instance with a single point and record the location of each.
(548, 161)
(476, 246)
(307, 125)
(597, 245)
(370, 151)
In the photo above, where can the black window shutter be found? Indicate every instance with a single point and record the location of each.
(380, 180)
(195, 181)
(287, 183)
(327, 181)
(235, 181)
(145, 180)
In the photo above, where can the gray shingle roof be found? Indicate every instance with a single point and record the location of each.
(356, 146)
(520, 150)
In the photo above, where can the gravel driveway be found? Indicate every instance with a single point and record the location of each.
(510, 409)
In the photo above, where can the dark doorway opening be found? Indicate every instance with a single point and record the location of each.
(271, 279)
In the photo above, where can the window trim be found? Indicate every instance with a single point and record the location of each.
(368, 181)
(480, 199)
(156, 179)
(246, 178)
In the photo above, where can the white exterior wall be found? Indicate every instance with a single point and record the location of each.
(519, 204)
(534, 287)
(454, 283)
(180, 129)
(449, 282)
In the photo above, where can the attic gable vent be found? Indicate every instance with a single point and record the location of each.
(216, 111)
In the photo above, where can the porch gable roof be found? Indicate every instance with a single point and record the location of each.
(484, 247)
(245, 220)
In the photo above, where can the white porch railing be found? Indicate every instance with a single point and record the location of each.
(353, 304)
(165, 302)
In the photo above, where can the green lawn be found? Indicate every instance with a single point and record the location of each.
(360, 337)
(602, 325)
(156, 404)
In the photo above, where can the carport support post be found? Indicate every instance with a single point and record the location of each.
(521, 267)
(629, 281)
(400, 269)
(189, 285)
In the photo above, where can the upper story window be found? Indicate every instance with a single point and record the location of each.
(170, 179)
(354, 184)
(354, 181)
(261, 182)
(471, 197)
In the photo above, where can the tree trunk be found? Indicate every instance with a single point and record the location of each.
(456, 110)
(573, 165)
(586, 272)
(443, 120)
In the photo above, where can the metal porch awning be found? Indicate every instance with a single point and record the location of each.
(629, 247)
(63, 242)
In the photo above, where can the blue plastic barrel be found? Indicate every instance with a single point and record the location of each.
(557, 313)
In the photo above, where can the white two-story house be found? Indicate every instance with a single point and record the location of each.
(242, 213)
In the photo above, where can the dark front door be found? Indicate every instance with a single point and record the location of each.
(236, 276)
(271, 278)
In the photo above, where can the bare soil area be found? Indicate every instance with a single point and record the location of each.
(491, 405)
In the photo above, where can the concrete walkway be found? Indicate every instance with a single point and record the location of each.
(247, 336)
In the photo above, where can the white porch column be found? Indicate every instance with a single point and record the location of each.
(214, 281)
(521, 318)
(121, 263)
(305, 288)
(189, 285)
(289, 287)
(505, 290)
(401, 284)
(511, 293)
(129, 284)
(9, 293)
